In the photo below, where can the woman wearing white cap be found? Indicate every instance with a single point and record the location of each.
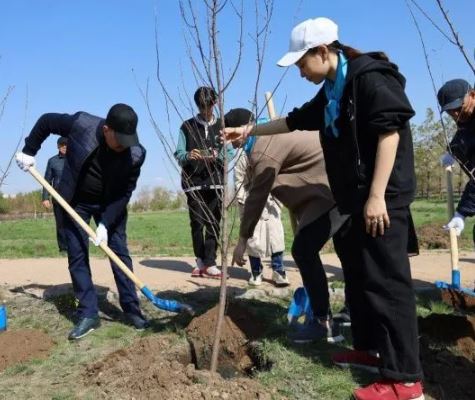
(363, 115)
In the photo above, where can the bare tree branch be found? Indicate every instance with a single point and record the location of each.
(455, 35)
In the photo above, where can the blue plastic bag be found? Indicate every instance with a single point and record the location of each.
(300, 307)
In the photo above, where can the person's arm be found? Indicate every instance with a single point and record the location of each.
(386, 111)
(181, 155)
(375, 208)
(51, 123)
(49, 179)
(117, 206)
(466, 205)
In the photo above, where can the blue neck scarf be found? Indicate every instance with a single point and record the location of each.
(249, 144)
(334, 92)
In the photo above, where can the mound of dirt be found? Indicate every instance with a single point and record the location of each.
(432, 236)
(458, 300)
(160, 368)
(239, 330)
(451, 330)
(18, 346)
(448, 356)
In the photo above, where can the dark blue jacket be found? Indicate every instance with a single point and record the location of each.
(54, 170)
(462, 147)
(84, 133)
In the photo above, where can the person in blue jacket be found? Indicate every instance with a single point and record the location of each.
(54, 170)
(100, 173)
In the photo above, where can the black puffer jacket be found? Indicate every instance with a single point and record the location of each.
(373, 103)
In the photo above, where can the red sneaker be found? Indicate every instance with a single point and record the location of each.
(196, 273)
(357, 359)
(386, 390)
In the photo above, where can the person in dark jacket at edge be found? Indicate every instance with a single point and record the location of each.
(457, 98)
(54, 170)
(200, 155)
(362, 114)
(100, 173)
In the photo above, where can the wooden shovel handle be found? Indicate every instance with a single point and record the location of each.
(76, 217)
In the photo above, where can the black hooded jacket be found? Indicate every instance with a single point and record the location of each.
(462, 148)
(373, 103)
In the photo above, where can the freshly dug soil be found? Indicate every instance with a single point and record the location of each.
(432, 236)
(18, 346)
(237, 349)
(157, 367)
(458, 300)
(448, 356)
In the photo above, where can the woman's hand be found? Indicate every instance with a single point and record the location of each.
(236, 135)
(238, 254)
(376, 216)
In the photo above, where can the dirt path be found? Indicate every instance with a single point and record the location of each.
(174, 273)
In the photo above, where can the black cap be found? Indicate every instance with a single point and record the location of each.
(238, 117)
(62, 141)
(205, 96)
(123, 120)
(452, 93)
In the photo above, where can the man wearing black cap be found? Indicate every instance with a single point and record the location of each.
(100, 173)
(54, 170)
(456, 97)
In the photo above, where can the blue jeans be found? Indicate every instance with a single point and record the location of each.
(277, 263)
(79, 267)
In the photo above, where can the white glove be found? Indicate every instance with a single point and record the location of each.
(447, 160)
(457, 222)
(24, 161)
(101, 234)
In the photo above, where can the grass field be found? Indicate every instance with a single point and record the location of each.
(167, 233)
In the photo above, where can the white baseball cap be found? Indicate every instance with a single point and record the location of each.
(307, 35)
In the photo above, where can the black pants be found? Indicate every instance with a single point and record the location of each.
(380, 294)
(80, 270)
(204, 207)
(59, 219)
(305, 250)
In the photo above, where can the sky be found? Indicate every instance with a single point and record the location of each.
(68, 56)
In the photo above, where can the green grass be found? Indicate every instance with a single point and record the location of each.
(167, 233)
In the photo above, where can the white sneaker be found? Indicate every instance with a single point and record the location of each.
(255, 280)
(212, 272)
(279, 279)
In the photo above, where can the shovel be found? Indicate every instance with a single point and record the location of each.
(454, 251)
(167, 305)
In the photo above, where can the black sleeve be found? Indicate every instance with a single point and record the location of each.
(382, 99)
(49, 179)
(309, 117)
(58, 124)
(466, 205)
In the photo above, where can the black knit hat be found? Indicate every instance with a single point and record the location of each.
(238, 117)
(123, 120)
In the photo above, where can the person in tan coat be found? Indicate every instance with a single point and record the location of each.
(291, 168)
